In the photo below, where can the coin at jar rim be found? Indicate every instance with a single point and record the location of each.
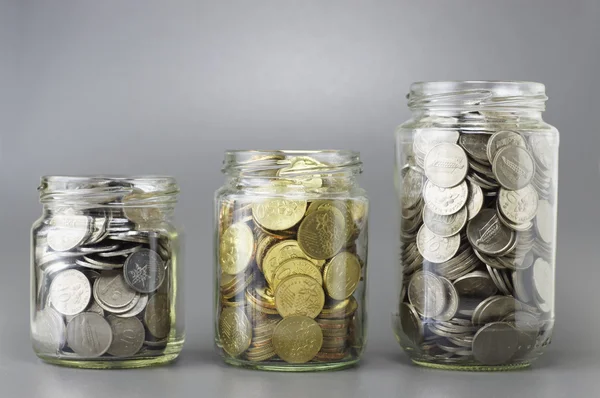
(543, 276)
(544, 222)
(426, 293)
(299, 295)
(445, 226)
(236, 248)
(144, 271)
(297, 339)
(493, 309)
(322, 233)
(518, 206)
(411, 324)
(452, 301)
(68, 232)
(501, 139)
(235, 331)
(513, 167)
(128, 336)
(435, 248)
(48, 331)
(157, 316)
(280, 253)
(412, 188)
(296, 266)
(89, 335)
(341, 275)
(136, 209)
(278, 214)
(488, 235)
(475, 145)
(309, 178)
(446, 165)
(495, 343)
(445, 201)
(474, 200)
(70, 292)
(137, 309)
(475, 284)
(112, 290)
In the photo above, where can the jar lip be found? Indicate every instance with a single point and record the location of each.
(512, 87)
(98, 178)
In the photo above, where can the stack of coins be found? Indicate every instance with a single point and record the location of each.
(103, 283)
(477, 238)
(288, 272)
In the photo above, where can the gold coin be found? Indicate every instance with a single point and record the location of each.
(322, 233)
(297, 266)
(235, 331)
(297, 339)
(264, 243)
(341, 276)
(236, 248)
(278, 214)
(280, 253)
(299, 295)
(308, 178)
(344, 207)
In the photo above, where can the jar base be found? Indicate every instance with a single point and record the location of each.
(308, 367)
(473, 368)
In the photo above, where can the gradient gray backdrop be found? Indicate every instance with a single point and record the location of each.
(134, 87)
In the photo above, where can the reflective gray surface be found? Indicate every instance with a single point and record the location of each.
(179, 83)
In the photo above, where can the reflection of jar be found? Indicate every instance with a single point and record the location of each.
(476, 174)
(105, 260)
(291, 260)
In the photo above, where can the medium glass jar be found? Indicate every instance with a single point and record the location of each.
(291, 260)
(476, 173)
(105, 262)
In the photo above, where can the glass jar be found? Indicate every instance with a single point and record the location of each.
(291, 258)
(476, 173)
(105, 262)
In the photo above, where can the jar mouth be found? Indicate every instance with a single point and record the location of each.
(480, 94)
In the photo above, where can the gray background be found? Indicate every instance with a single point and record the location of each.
(136, 87)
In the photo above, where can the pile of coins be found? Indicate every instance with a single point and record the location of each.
(103, 283)
(289, 270)
(477, 232)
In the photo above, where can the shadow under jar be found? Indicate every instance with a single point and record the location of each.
(291, 257)
(476, 173)
(105, 260)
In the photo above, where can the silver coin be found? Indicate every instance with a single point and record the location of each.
(95, 249)
(426, 139)
(139, 306)
(543, 282)
(157, 316)
(488, 235)
(89, 335)
(513, 167)
(475, 284)
(475, 145)
(522, 281)
(528, 326)
(426, 293)
(493, 309)
(445, 226)
(445, 201)
(518, 206)
(541, 148)
(411, 323)
(93, 307)
(68, 232)
(452, 301)
(474, 200)
(495, 343)
(122, 252)
(144, 271)
(435, 248)
(70, 292)
(128, 336)
(112, 290)
(104, 263)
(544, 221)
(500, 140)
(48, 331)
(446, 165)
(412, 188)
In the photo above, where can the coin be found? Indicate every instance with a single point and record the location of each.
(493, 309)
(137, 308)
(452, 301)
(128, 336)
(296, 266)
(543, 277)
(70, 292)
(144, 271)
(411, 323)
(157, 316)
(299, 295)
(475, 145)
(488, 235)
(445, 226)
(475, 284)
(236, 248)
(341, 275)
(446, 165)
(435, 248)
(495, 343)
(112, 290)
(48, 331)
(412, 188)
(445, 201)
(235, 331)
(426, 293)
(68, 232)
(297, 339)
(278, 214)
(474, 200)
(542, 150)
(513, 167)
(89, 335)
(502, 139)
(544, 221)
(280, 253)
(322, 233)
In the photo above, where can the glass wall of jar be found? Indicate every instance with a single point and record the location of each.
(476, 175)
(105, 265)
(291, 258)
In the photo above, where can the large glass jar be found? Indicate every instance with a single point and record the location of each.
(291, 258)
(476, 175)
(105, 261)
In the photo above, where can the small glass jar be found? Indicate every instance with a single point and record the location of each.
(105, 262)
(291, 258)
(476, 173)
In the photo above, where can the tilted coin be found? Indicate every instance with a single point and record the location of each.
(501, 139)
(236, 248)
(299, 295)
(544, 221)
(48, 331)
(412, 188)
(475, 145)
(157, 316)
(495, 343)
(446, 165)
(136, 309)
(112, 290)
(278, 214)
(137, 211)
(235, 331)
(342, 206)
(144, 271)
(70, 292)
(89, 335)
(280, 253)
(341, 275)
(426, 293)
(493, 309)
(475, 284)
(474, 200)
(445, 201)
(518, 206)
(513, 167)
(297, 339)
(128, 336)
(445, 226)
(322, 233)
(435, 248)
(296, 266)
(452, 301)
(68, 232)
(488, 235)
(411, 324)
